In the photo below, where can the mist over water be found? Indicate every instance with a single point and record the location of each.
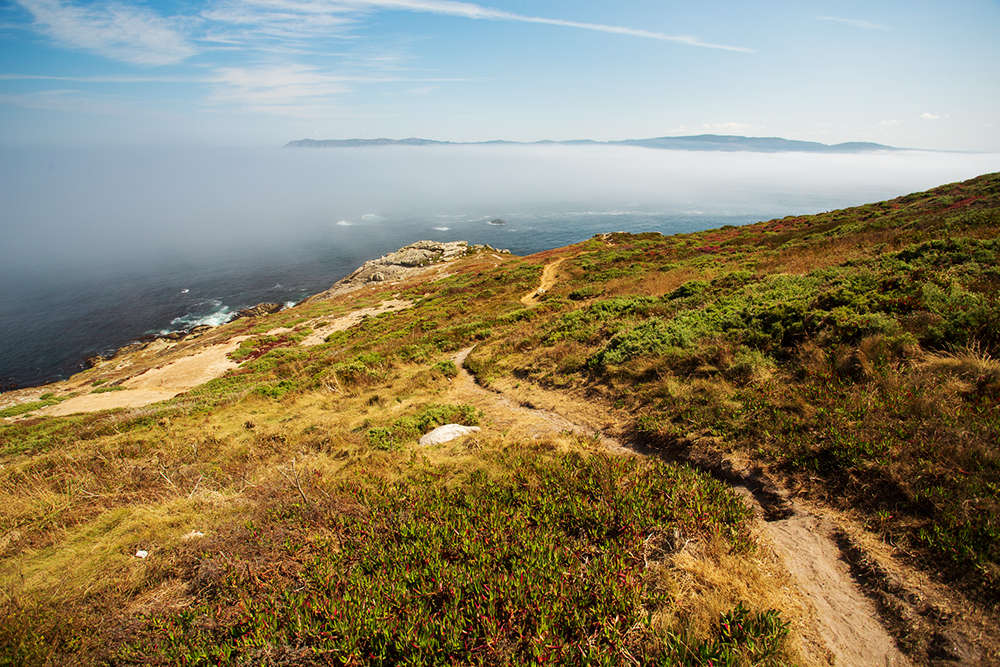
(99, 247)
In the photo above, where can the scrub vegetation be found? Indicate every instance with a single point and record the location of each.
(288, 516)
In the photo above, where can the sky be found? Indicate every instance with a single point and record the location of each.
(257, 73)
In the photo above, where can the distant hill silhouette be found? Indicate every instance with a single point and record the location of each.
(701, 142)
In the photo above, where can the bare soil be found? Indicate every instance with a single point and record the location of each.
(157, 384)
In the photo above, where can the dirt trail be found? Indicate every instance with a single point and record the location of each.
(548, 280)
(157, 384)
(323, 328)
(845, 620)
(505, 413)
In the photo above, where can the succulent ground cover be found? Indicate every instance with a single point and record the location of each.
(289, 516)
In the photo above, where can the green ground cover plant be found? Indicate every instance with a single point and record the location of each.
(542, 564)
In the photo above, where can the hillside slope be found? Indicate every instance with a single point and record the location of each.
(842, 368)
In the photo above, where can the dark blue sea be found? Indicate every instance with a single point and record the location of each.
(99, 247)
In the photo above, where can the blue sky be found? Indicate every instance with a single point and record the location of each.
(262, 72)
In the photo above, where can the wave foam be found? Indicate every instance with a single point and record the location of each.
(219, 314)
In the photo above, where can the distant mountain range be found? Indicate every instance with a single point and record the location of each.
(701, 142)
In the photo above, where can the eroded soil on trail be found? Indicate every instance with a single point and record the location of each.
(548, 280)
(844, 623)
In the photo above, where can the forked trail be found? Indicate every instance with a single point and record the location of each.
(844, 619)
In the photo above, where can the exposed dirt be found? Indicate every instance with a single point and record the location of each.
(165, 382)
(157, 384)
(845, 618)
(323, 328)
(548, 280)
(846, 622)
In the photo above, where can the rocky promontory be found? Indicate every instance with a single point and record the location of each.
(406, 262)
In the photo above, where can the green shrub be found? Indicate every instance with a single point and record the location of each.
(104, 390)
(445, 368)
(588, 292)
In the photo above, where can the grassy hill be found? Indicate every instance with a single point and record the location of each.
(846, 362)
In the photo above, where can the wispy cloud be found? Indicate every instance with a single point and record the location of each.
(473, 11)
(854, 22)
(283, 18)
(118, 31)
(929, 116)
(109, 78)
(277, 21)
(273, 85)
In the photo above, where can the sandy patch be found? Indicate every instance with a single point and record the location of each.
(846, 619)
(323, 328)
(157, 384)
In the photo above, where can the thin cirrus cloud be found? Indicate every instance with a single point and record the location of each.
(117, 31)
(273, 87)
(283, 18)
(140, 36)
(854, 22)
(473, 11)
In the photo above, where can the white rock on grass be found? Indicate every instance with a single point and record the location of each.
(447, 433)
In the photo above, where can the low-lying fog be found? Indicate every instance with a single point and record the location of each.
(105, 208)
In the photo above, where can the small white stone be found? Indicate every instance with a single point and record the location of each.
(194, 534)
(141, 554)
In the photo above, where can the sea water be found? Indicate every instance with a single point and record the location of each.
(99, 247)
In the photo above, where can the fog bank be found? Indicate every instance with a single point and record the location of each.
(106, 208)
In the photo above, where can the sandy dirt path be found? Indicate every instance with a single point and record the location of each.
(323, 328)
(157, 384)
(160, 384)
(845, 620)
(548, 280)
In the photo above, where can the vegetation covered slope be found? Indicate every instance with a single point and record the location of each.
(289, 516)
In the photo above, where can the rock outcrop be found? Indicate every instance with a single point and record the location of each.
(257, 311)
(406, 262)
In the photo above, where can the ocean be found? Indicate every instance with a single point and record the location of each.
(99, 247)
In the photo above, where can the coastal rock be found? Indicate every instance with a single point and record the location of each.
(498, 221)
(406, 262)
(447, 433)
(257, 311)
